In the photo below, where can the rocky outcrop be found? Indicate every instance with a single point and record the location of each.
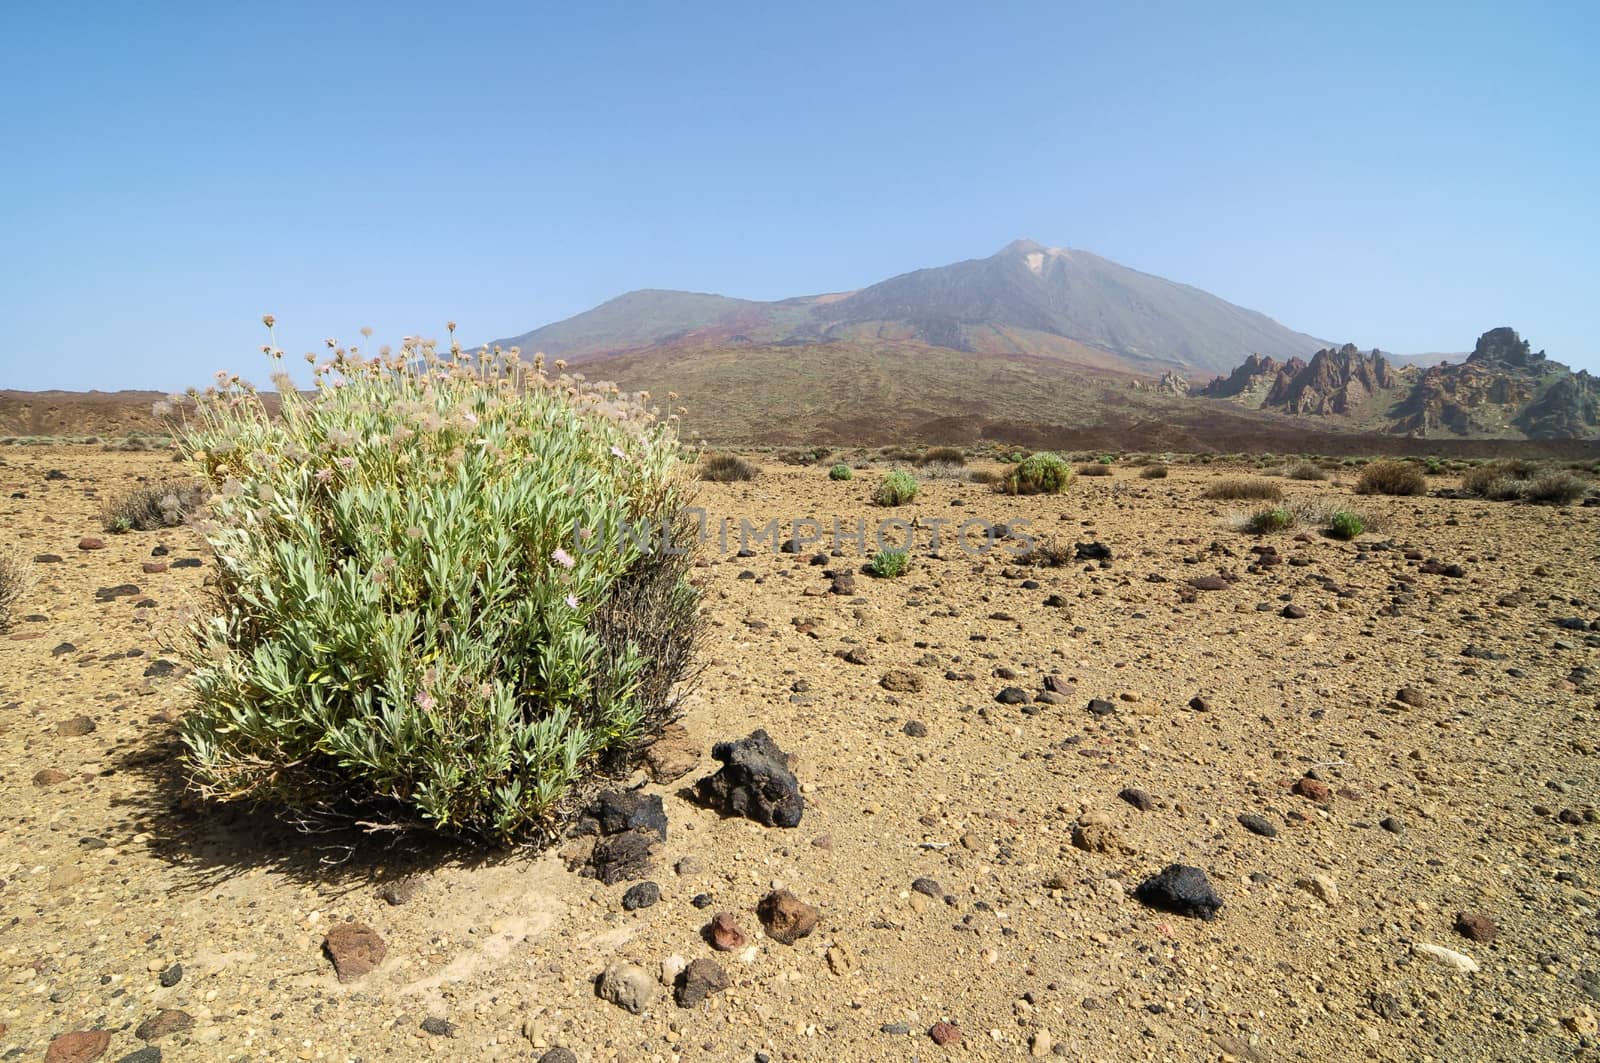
(1503, 389)
(1333, 383)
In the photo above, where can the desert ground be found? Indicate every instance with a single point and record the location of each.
(1418, 739)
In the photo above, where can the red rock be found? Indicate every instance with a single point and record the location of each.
(80, 1046)
(944, 1034)
(91, 543)
(1313, 790)
(50, 777)
(786, 917)
(1476, 926)
(726, 934)
(153, 567)
(355, 949)
(673, 755)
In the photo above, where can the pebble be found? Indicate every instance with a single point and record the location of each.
(1137, 798)
(1321, 887)
(164, 1023)
(786, 917)
(944, 1034)
(1475, 926)
(725, 934)
(80, 1046)
(355, 949)
(628, 986)
(641, 895)
(1448, 958)
(1181, 889)
(699, 980)
(1257, 825)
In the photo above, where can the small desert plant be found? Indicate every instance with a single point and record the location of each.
(16, 579)
(1305, 470)
(1153, 472)
(1270, 519)
(1047, 554)
(1501, 481)
(887, 564)
(1345, 525)
(1555, 488)
(1038, 474)
(1391, 478)
(727, 468)
(841, 471)
(1094, 468)
(896, 489)
(1244, 490)
(983, 476)
(943, 455)
(1106, 459)
(152, 506)
(433, 605)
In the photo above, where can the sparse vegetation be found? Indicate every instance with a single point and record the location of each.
(1555, 488)
(1400, 478)
(1153, 472)
(1305, 470)
(897, 488)
(16, 579)
(1244, 490)
(1047, 553)
(411, 627)
(152, 506)
(887, 564)
(943, 456)
(1094, 468)
(841, 471)
(1038, 474)
(1504, 481)
(727, 468)
(1345, 525)
(1270, 519)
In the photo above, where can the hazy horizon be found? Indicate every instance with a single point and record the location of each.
(1395, 178)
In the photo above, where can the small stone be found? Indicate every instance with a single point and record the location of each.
(840, 961)
(699, 980)
(1293, 612)
(1392, 825)
(786, 917)
(403, 891)
(915, 729)
(1322, 887)
(725, 934)
(1181, 889)
(1012, 696)
(1041, 1043)
(641, 895)
(147, 1054)
(1582, 1022)
(895, 1029)
(1199, 704)
(172, 976)
(628, 986)
(1475, 926)
(438, 1026)
(1313, 789)
(152, 568)
(1137, 798)
(1101, 707)
(1096, 837)
(75, 727)
(944, 1034)
(928, 888)
(80, 1046)
(1257, 825)
(89, 542)
(1448, 958)
(687, 866)
(558, 1055)
(673, 755)
(164, 1023)
(355, 949)
(902, 681)
(50, 777)
(1412, 696)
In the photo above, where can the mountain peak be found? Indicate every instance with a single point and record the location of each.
(1023, 246)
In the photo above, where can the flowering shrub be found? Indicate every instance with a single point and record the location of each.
(432, 607)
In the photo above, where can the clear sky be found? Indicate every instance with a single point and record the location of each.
(1396, 175)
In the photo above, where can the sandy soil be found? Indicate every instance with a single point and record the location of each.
(1477, 798)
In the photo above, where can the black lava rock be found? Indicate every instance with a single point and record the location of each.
(1182, 890)
(642, 895)
(754, 781)
(1257, 825)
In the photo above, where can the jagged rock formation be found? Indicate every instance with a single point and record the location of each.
(1333, 383)
(1504, 389)
(1172, 384)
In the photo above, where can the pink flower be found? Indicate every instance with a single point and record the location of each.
(572, 601)
(562, 558)
(425, 701)
(618, 452)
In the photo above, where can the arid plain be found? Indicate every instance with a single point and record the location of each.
(1413, 718)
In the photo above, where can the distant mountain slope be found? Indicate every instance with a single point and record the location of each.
(1026, 299)
(1501, 390)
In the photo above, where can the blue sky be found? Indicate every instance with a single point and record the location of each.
(1395, 175)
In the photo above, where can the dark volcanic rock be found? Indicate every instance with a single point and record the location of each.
(1091, 551)
(1137, 798)
(164, 1023)
(623, 857)
(1257, 825)
(1181, 889)
(699, 980)
(754, 781)
(616, 811)
(642, 895)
